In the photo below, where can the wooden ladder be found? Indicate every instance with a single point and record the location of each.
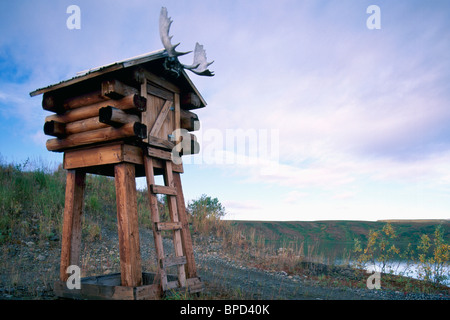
(175, 225)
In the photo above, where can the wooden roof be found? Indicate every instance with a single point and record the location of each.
(142, 60)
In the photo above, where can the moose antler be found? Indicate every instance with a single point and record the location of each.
(200, 64)
(164, 28)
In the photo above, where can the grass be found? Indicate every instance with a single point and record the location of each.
(32, 203)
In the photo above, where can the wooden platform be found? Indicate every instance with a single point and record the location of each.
(108, 287)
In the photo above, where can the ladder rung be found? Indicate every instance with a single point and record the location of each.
(162, 226)
(172, 261)
(171, 191)
(172, 284)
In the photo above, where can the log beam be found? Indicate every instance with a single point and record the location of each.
(116, 117)
(134, 129)
(130, 102)
(189, 120)
(116, 89)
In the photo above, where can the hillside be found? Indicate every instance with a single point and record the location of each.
(334, 235)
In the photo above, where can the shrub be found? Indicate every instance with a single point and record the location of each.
(434, 257)
(205, 214)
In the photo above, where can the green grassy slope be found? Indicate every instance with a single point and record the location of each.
(337, 232)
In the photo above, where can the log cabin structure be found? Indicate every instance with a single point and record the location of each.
(123, 120)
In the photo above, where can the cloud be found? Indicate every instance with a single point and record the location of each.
(294, 197)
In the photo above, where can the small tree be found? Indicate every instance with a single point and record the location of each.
(205, 213)
(380, 248)
(434, 266)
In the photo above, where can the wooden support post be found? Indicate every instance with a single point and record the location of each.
(127, 222)
(71, 234)
(191, 269)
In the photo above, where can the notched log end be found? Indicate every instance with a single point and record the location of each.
(140, 130)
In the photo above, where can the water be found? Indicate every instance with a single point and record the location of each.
(341, 253)
(403, 268)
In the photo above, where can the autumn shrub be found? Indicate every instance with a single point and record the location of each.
(431, 255)
(205, 214)
(434, 257)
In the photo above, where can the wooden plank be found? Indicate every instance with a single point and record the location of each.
(102, 155)
(194, 285)
(127, 223)
(160, 143)
(131, 102)
(135, 129)
(172, 285)
(159, 92)
(141, 74)
(164, 226)
(177, 113)
(94, 292)
(93, 156)
(160, 164)
(163, 190)
(148, 292)
(116, 89)
(132, 154)
(158, 153)
(161, 118)
(173, 261)
(191, 269)
(71, 233)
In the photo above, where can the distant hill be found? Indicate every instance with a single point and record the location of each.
(336, 233)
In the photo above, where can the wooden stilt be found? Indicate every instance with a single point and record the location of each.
(71, 234)
(127, 222)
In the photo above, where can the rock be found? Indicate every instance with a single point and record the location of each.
(29, 243)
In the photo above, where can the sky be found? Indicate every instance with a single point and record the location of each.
(312, 114)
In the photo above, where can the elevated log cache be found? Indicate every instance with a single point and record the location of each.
(121, 121)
